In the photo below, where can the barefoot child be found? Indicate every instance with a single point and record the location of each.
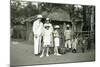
(74, 44)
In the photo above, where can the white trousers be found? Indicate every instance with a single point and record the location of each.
(74, 45)
(37, 45)
(68, 43)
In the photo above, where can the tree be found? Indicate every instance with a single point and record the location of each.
(21, 10)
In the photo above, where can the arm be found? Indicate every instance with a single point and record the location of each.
(34, 27)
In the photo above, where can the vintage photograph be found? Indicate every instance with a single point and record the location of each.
(51, 33)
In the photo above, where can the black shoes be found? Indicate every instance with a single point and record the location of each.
(74, 51)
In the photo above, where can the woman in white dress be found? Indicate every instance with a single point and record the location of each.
(47, 38)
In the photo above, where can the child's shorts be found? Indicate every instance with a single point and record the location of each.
(56, 41)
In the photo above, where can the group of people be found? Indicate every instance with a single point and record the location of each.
(51, 37)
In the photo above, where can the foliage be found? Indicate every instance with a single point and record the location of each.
(20, 10)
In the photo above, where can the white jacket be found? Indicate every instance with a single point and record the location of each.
(37, 27)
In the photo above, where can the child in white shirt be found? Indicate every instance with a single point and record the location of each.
(56, 40)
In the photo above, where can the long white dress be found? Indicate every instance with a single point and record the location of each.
(37, 29)
(47, 35)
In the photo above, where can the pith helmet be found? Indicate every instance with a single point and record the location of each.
(47, 18)
(39, 16)
(67, 25)
(57, 26)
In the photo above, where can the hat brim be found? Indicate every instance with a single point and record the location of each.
(39, 17)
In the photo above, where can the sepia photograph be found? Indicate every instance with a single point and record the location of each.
(51, 33)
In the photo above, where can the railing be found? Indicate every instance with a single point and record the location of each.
(86, 34)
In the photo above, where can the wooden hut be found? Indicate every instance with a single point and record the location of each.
(60, 17)
(57, 17)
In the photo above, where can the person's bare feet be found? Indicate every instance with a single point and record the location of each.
(58, 54)
(41, 56)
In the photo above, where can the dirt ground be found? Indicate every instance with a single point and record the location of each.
(22, 54)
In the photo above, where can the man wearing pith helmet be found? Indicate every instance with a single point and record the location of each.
(37, 30)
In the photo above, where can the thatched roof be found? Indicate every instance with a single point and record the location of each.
(29, 19)
(59, 15)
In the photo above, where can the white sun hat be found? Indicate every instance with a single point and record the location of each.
(39, 16)
(68, 25)
(56, 26)
(46, 25)
(47, 18)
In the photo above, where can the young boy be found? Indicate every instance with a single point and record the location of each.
(68, 35)
(74, 44)
(56, 40)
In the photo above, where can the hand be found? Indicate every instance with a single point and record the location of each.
(35, 36)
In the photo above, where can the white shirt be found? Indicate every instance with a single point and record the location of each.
(67, 34)
(56, 33)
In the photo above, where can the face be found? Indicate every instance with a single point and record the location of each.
(67, 28)
(39, 19)
(47, 21)
(47, 27)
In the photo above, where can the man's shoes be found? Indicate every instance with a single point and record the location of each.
(37, 54)
(74, 51)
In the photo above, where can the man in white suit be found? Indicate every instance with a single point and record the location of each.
(37, 30)
(74, 44)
